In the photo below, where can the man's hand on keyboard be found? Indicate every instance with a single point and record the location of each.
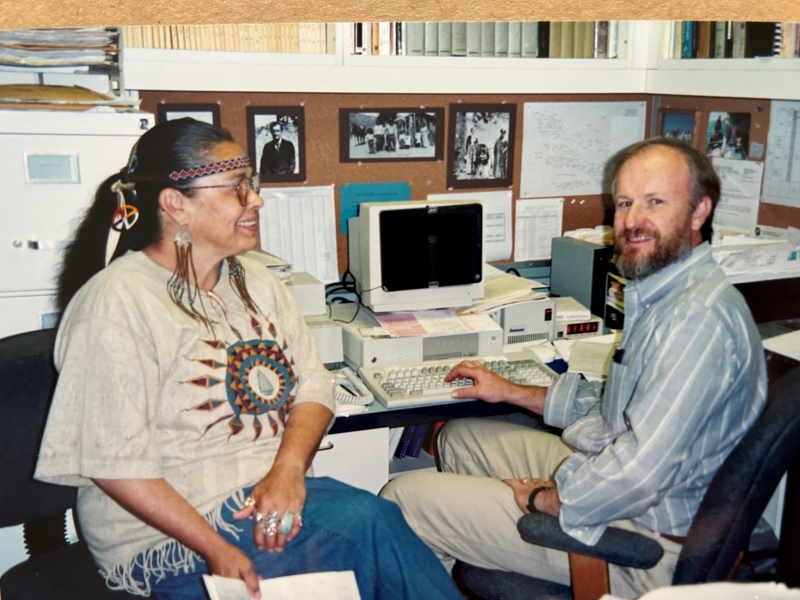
(491, 387)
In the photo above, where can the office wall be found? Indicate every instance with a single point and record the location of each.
(322, 140)
(768, 214)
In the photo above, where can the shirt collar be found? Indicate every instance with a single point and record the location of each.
(656, 286)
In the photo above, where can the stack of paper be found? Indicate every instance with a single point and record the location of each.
(602, 235)
(761, 258)
(787, 344)
(503, 289)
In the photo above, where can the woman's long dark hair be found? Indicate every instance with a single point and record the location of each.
(169, 146)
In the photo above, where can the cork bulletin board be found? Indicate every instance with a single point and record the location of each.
(322, 141)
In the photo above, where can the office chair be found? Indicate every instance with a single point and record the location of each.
(736, 498)
(56, 570)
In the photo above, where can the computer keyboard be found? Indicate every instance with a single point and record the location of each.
(423, 383)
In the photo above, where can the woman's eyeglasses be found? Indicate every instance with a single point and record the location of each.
(243, 188)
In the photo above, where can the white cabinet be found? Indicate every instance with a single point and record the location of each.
(359, 458)
(53, 162)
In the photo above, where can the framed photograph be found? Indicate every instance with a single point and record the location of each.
(391, 134)
(208, 113)
(680, 124)
(277, 143)
(481, 145)
(728, 134)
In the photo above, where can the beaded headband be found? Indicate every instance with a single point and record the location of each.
(219, 167)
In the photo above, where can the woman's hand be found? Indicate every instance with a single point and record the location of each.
(227, 560)
(280, 492)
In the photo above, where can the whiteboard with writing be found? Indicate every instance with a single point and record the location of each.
(565, 145)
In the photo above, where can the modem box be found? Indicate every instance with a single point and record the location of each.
(328, 338)
(530, 321)
(367, 345)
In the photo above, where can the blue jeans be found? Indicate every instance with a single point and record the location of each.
(344, 529)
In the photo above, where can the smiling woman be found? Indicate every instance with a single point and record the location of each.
(157, 350)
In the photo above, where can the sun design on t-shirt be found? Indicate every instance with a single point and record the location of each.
(259, 380)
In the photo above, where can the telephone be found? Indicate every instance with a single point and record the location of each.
(350, 389)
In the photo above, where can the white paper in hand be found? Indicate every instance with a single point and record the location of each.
(332, 585)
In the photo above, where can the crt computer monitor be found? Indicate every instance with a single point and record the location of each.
(417, 255)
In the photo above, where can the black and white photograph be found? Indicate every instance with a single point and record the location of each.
(276, 140)
(728, 135)
(391, 134)
(481, 145)
(207, 113)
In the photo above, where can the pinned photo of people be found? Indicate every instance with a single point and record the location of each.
(391, 134)
(277, 142)
(728, 135)
(481, 145)
(679, 125)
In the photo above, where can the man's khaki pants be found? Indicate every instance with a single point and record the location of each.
(467, 513)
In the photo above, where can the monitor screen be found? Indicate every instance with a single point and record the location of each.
(431, 247)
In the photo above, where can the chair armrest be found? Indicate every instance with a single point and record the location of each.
(617, 546)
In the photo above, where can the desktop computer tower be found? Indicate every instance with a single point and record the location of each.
(578, 269)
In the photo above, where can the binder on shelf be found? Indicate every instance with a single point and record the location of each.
(544, 39)
(719, 39)
(739, 34)
(530, 40)
(445, 34)
(431, 38)
(474, 39)
(501, 39)
(415, 446)
(759, 38)
(405, 442)
(588, 40)
(600, 39)
(415, 38)
(458, 47)
(686, 39)
(400, 38)
(487, 38)
(578, 39)
(385, 42)
(567, 39)
(429, 443)
(555, 40)
(622, 39)
(515, 39)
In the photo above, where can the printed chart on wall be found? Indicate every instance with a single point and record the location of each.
(738, 204)
(537, 223)
(565, 145)
(298, 224)
(782, 167)
(496, 220)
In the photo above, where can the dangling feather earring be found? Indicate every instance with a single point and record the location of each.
(180, 283)
(237, 281)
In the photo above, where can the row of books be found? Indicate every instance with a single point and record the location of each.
(730, 39)
(298, 38)
(413, 439)
(515, 39)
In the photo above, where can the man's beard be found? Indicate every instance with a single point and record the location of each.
(667, 251)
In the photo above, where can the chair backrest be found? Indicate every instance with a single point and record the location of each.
(742, 488)
(27, 380)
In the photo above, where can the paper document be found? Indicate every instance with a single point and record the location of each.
(763, 258)
(501, 289)
(422, 322)
(496, 220)
(592, 358)
(299, 225)
(564, 347)
(787, 344)
(782, 166)
(537, 223)
(332, 585)
(741, 189)
(565, 145)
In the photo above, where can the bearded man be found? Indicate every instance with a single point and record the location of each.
(687, 381)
